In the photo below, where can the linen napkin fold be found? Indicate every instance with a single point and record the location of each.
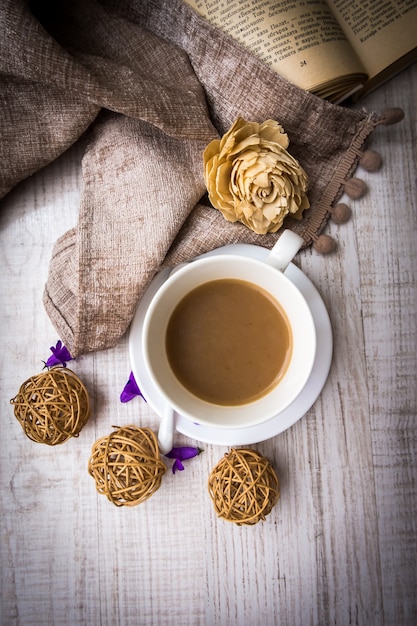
(153, 83)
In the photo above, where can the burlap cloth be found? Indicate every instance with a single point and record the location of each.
(153, 83)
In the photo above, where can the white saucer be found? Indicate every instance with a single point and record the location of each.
(277, 424)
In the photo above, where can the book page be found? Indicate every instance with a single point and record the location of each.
(380, 32)
(301, 40)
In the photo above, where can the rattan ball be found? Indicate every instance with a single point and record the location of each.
(126, 465)
(52, 407)
(243, 487)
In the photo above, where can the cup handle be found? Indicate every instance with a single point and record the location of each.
(284, 250)
(166, 430)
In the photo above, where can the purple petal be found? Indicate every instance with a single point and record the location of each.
(60, 355)
(130, 390)
(183, 453)
(177, 465)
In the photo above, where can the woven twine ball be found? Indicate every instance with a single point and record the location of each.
(52, 407)
(244, 487)
(126, 465)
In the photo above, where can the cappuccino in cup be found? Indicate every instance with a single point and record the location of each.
(229, 341)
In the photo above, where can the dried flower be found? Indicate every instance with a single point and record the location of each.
(131, 389)
(251, 178)
(182, 454)
(60, 356)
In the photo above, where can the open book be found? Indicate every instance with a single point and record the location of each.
(333, 48)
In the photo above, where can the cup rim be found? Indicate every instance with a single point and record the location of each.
(200, 411)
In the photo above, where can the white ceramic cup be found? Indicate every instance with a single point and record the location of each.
(267, 275)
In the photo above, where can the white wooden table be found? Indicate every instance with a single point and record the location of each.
(339, 547)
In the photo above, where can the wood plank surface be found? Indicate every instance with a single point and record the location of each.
(339, 547)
